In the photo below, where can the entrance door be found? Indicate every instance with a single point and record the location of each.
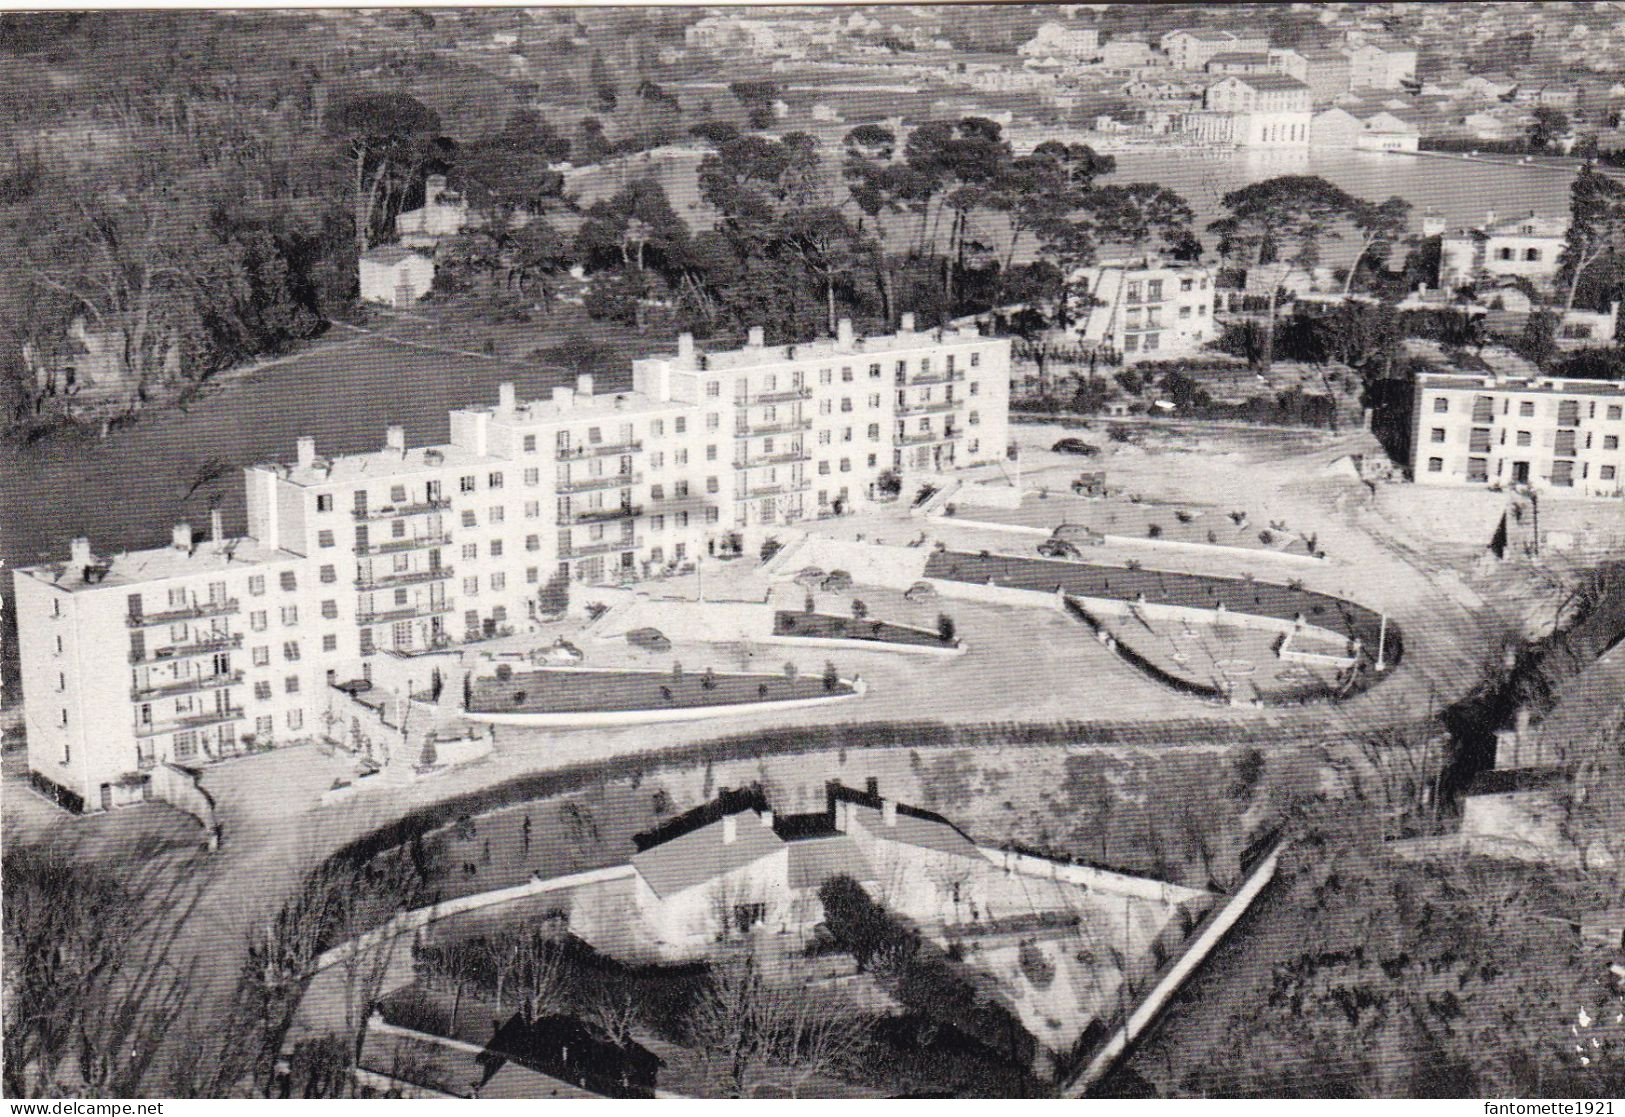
(107, 796)
(1520, 472)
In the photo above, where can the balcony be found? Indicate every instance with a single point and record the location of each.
(603, 515)
(786, 395)
(400, 511)
(186, 686)
(784, 458)
(190, 721)
(610, 481)
(929, 407)
(608, 546)
(942, 376)
(777, 426)
(404, 613)
(395, 546)
(919, 438)
(184, 651)
(409, 578)
(596, 450)
(778, 490)
(186, 613)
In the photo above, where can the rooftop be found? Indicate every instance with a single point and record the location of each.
(131, 568)
(697, 856)
(1267, 83)
(374, 464)
(1553, 385)
(1240, 57)
(752, 356)
(388, 254)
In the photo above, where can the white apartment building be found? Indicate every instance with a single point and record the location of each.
(1529, 246)
(1556, 436)
(1190, 50)
(202, 650)
(1372, 66)
(1146, 309)
(1059, 40)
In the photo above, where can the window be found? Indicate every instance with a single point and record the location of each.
(1526, 408)
(846, 465)
(679, 424)
(466, 483)
(1131, 343)
(469, 519)
(330, 610)
(263, 726)
(846, 403)
(823, 468)
(1440, 405)
(533, 509)
(710, 484)
(657, 523)
(975, 387)
(713, 421)
(711, 453)
(1435, 465)
(256, 620)
(975, 359)
(1483, 409)
(874, 432)
(1437, 434)
(262, 691)
(495, 548)
(498, 514)
(1134, 292)
(290, 651)
(494, 481)
(471, 586)
(874, 400)
(1615, 411)
(324, 538)
(680, 489)
(1185, 284)
(533, 575)
(1563, 474)
(713, 389)
(288, 581)
(1184, 312)
(324, 502)
(1153, 290)
(1564, 444)
(657, 492)
(256, 585)
(498, 580)
(290, 615)
(1523, 438)
(261, 655)
(471, 550)
(533, 542)
(1479, 440)
(1478, 469)
(296, 718)
(1531, 254)
(533, 476)
(974, 418)
(330, 642)
(1606, 473)
(1610, 442)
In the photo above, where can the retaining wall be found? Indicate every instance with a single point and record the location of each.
(600, 718)
(1099, 880)
(179, 788)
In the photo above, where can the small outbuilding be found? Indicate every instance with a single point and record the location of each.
(395, 276)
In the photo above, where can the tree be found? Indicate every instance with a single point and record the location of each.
(1134, 214)
(1596, 226)
(1380, 227)
(508, 171)
(385, 135)
(635, 227)
(1546, 126)
(945, 628)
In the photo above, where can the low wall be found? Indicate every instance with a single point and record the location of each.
(598, 719)
(839, 644)
(180, 789)
(1314, 659)
(1098, 880)
(1132, 540)
(876, 564)
(1203, 943)
(995, 595)
(1187, 614)
(414, 674)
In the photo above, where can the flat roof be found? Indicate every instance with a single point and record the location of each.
(1547, 384)
(131, 568)
(1266, 83)
(828, 348)
(372, 465)
(597, 406)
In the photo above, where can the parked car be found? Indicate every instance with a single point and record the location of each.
(809, 576)
(1076, 446)
(921, 591)
(649, 639)
(1059, 549)
(561, 653)
(1079, 535)
(836, 581)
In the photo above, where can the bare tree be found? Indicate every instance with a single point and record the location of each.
(617, 1009)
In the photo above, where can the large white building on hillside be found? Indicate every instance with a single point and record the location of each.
(203, 649)
(1145, 309)
(1527, 246)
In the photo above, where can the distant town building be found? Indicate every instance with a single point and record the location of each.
(1265, 93)
(1376, 66)
(1252, 110)
(1384, 131)
(1059, 40)
(1240, 63)
(1126, 54)
(1190, 50)
(1528, 246)
(444, 213)
(395, 276)
(1555, 435)
(88, 360)
(1335, 127)
(1145, 309)
(1326, 72)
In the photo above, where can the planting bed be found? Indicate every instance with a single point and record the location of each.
(1144, 520)
(828, 627)
(578, 691)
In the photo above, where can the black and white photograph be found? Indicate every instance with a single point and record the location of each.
(813, 552)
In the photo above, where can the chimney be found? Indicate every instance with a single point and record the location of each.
(871, 786)
(306, 451)
(584, 385)
(757, 337)
(507, 398)
(79, 553)
(1522, 722)
(180, 537)
(1489, 218)
(767, 819)
(395, 439)
(905, 324)
(564, 397)
(217, 526)
(888, 812)
(840, 819)
(730, 830)
(685, 349)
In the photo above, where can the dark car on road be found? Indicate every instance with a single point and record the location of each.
(1076, 446)
(1058, 548)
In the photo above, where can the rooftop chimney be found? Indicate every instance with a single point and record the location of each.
(507, 398)
(306, 454)
(1522, 722)
(685, 348)
(872, 785)
(843, 333)
(888, 811)
(730, 830)
(584, 385)
(840, 819)
(767, 819)
(1489, 218)
(564, 396)
(395, 439)
(217, 526)
(757, 337)
(905, 324)
(79, 553)
(180, 537)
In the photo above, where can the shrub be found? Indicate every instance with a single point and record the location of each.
(1035, 966)
(945, 628)
(1154, 531)
(789, 670)
(832, 677)
(889, 483)
(504, 672)
(708, 681)
(519, 697)
(1266, 537)
(596, 609)
(427, 758)
(859, 609)
(949, 509)
(770, 547)
(1238, 517)
(1183, 516)
(808, 605)
(1212, 537)
(676, 672)
(554, 597)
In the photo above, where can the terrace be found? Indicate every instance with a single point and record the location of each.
(411, 578)
(186, 686)
(601, 515)
(608, 546)
(395, 546)
(185, 613)
(400, 511)
(183, 651)
(405, 613)
(578, 691)
(190, 721)
(608, 481)
(596, 450)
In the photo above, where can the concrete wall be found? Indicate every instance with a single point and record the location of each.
(596, 719)
(181, 790)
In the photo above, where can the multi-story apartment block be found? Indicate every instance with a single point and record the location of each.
(1260, 93)
(1528, 246)
(1145, 309)
(1190, 50)
(201, 650)
(1559, 436)
(1240, 63)
(1375, 66)
(1327, 73)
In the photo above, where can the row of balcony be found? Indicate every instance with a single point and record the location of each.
(608, 481)
(400, 511)
(920, 437)
(929, 407)
(777, 489)
(185, 613)
(602, 515)
(776, 426)
(404, 613)
(395, 546)
(596, 450)
(190, 721)
(942, 376)
(409, 578)
(607, 546)
(783, 395)
(203, 646)
(787, 457)
(186, 686)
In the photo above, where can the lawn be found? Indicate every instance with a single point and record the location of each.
(575, 691)
(1200, 591)
(1144, 519)
(825, 626)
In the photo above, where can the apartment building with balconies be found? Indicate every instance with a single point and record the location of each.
(1554, 435)
(1144, 308)
(199, 651)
